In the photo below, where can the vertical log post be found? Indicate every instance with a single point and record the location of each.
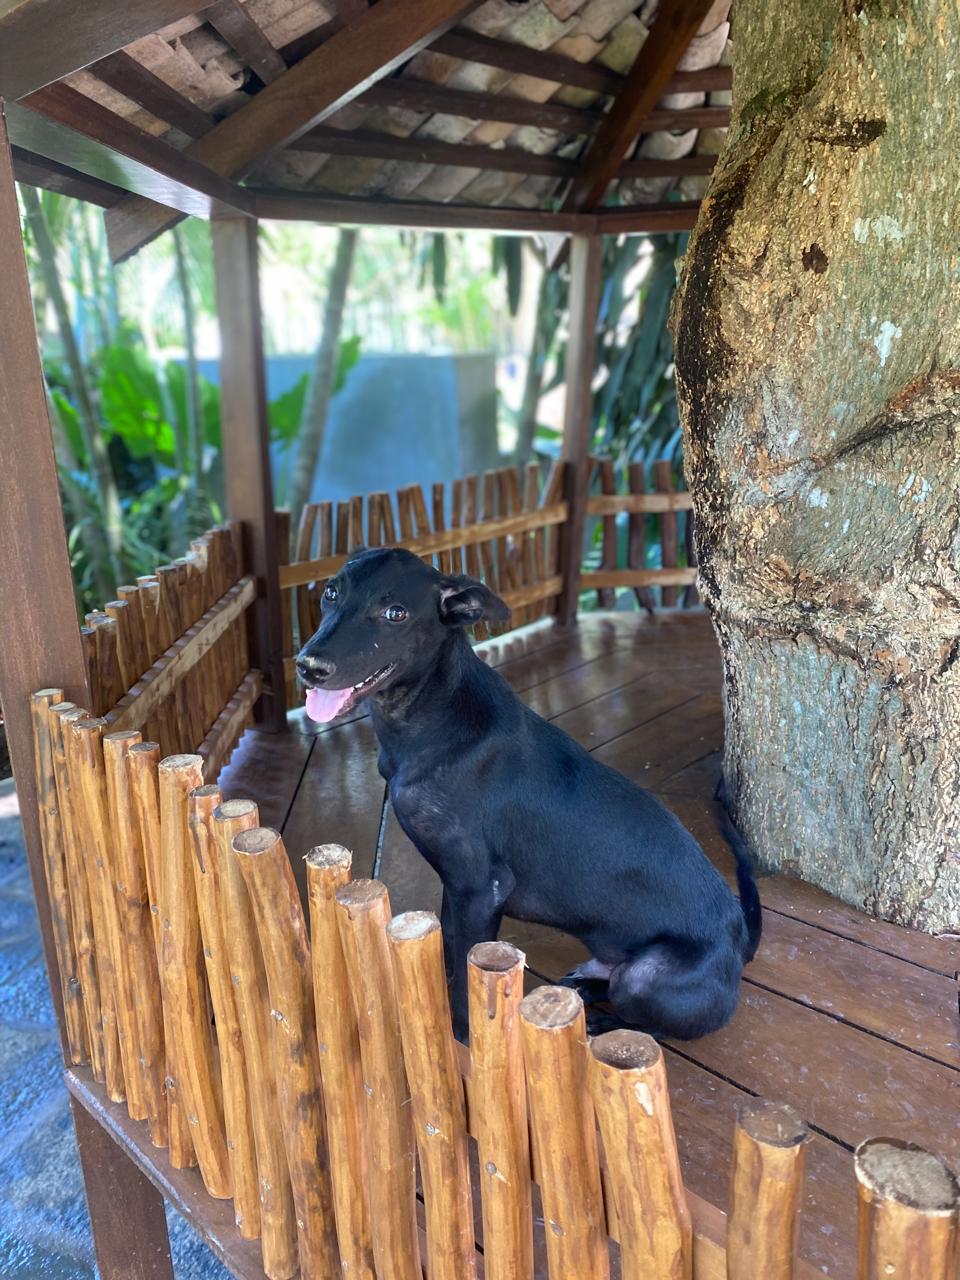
(328, 869)
(233, 1068)
(246, 444)
(88, 795)
(637, 536)
(136, 930)
(191, 1063)
(57, 880)
(663, 483)
(909, 1213)
(363, 912)
(286, 958)
(499, 1097)
(766, 1191)
(278, 1227)
(81, 911)
(554, 1035)
(436, 1088)
(628, 1084)
(586, 270)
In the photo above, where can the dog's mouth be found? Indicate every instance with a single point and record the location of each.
(324, 705)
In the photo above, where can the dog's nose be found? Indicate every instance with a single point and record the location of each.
(315, 669)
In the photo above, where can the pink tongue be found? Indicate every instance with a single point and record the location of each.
(324, 705)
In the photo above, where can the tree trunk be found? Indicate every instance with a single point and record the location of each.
(310, 437)
(817, 330)
(98, 459)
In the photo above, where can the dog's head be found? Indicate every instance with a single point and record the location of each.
(385, 615)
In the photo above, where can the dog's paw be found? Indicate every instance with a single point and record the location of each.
(601, 1018)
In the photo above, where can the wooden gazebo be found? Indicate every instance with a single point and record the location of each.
(571, 119)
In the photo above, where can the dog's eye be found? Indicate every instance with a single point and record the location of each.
(330, 592)
(395, 613)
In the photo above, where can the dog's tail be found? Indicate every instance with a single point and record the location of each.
(746, 884)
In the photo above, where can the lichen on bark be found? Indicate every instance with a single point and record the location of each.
(817, 330)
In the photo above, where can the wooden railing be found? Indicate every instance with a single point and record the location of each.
(328, 1071)
(169, 655)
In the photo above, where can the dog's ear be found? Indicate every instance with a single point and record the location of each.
(464, 601)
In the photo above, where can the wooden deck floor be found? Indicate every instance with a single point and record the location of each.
(853, 1021)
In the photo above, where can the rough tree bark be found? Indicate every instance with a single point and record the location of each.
(817, 329)
(309, 443)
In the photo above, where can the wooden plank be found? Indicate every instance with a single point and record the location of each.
(211, 1219)
(425, 98)
(234, 23)
(605, 504)
(650, 753)
(586, 271)
(135, 707)
(44, 40)
(138, 83)
(644, 219)
(557, 68)
(225, 731)
(638, 578)
(355, 212)
(321, 83)
(674, 27)
(424, 150)
(246, 444)
(51, 175)
(104, 144)
(425, 543)
(267, 767)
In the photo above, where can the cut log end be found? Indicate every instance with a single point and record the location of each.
(256, 841)
(772, 1123)
(230, 810)
(329, 855)
(360, 894)
(551, 1008)
(46, 695)
(496, 957)
(145, 748)
(181, 763)
(893, 1170)
(626, 1050)
(205, 792)
(410, 926)
(122, 735)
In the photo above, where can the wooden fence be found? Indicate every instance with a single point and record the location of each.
(169, 655)
(504, 527)
(312, 1076)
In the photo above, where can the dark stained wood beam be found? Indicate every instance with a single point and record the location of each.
(37, 171)
(234, 23)
(675, 26)
(140, 85)
(648, 219)
(417, 150)
(558, 69)
(44, 40)
(335, 73)
(290, 207)
(73, 129)
(431, 99)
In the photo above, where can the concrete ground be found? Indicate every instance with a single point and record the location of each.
(44, 1229)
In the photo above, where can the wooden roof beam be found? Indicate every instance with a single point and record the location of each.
(135, 81)
(675, 26)
(418, 150)
(335, 73)
(556, 68)
(233, 21)
(63, 125)
(38, 171)
(44, 40)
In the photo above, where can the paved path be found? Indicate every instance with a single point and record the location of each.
(44, 1230)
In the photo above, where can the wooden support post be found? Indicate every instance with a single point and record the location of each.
(35, 552)
(766, 1190)
(328, 869)
(554, 1034)
(246, 446)
(499, 1106)
(628, 1083)
(586, 269)
(909, 1213)
(436, 1088)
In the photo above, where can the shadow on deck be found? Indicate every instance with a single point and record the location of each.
(853, 1021)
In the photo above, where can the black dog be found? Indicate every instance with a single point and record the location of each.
(514, 816)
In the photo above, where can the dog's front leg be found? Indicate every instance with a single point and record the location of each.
(466, 918)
